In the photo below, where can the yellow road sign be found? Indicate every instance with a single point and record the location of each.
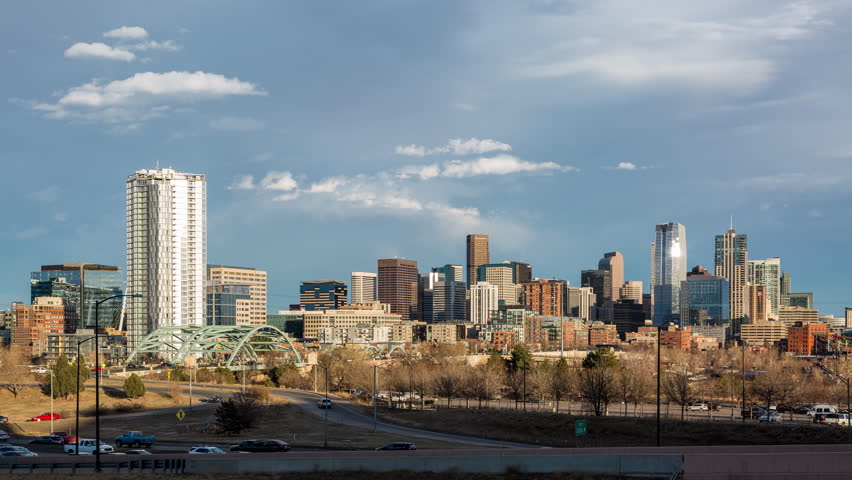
(180, 414)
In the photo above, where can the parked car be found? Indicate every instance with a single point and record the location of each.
(398, 446)
(784, 408)
(87, 447)
(821, 410)
(262, 446)
(215, 398)
(47, 440)
(134, 439)
(753, 412)
(39, 370)
(325, 403)
(771, 417)
(697, 406)
(46, 417)
(205, 450)
(4, 436)
(836, 419)
(137, 452)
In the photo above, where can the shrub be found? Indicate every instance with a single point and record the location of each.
(134, 387)
(239, 412)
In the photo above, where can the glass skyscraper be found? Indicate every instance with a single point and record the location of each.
(322, 294)
(705, 300)
(82, 284)
(767, 273)
(668, 271)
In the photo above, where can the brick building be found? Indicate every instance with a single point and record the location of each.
(33, 323)
(800, 337)
(545, 296)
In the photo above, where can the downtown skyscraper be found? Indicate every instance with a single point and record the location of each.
(477, 254)
(166, 251)
(731, 263)
(668, 271)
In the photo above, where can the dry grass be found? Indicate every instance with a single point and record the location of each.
(343, 475)
(558, 430)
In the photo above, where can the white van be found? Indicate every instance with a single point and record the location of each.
(822, 410)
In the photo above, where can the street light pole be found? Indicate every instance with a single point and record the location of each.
(77, 411)
(51, 400)
(375, 397)
(659, 381)
(98, 381)
(743, 408)
(325, 439)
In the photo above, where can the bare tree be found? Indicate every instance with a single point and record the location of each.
(774, 385)
(678, 390)
(14, 372)
(515, 384)
(561, 382)
(597, 387)
(448, 382)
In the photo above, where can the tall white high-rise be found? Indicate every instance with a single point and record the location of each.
(363, 287)
(767, 273)
(483, 301)
(166, 251)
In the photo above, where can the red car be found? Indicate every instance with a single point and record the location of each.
(46, 417)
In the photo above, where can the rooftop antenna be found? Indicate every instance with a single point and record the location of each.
(732, 223)
(158, 164)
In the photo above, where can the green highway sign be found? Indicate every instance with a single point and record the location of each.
(580, 428)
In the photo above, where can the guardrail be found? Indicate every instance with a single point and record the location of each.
(109, 463)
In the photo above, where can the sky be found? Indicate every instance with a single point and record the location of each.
(333, 134)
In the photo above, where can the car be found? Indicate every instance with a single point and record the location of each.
(47, 440)
(262, 446)
(87, 447)
(137, 452)
(533, 400)
(39, 370)
(45, 417)
(64, 436)
(134, 438)
(771, 417)
(803, 410)
(4, 436)
(398, 446)
(325, 403)
(4, 420)
(14, 448)
(18, 452)
(784, 408)
(215, 398)
(697, 406)
(821, 410)
(754, 412)
(205, 450)
(836, 419)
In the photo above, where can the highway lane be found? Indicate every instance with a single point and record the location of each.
(344, 413)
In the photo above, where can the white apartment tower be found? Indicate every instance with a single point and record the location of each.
(166, 251)
(484, 299)
(363, 287)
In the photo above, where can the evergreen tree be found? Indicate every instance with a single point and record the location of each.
(64, 378)
(603, 357)
(134, 387)
(521, 357)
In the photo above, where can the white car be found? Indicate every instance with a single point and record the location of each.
(699, 406)
(87, 447)
(205, 450)
(770, 417)
(836, 419)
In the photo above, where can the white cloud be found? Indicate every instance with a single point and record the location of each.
(243, 182)
(425, 172)
(625, 166)
(716, 45)
(499, 165)
(31, 233)
(127, 33)
(279, 181)
(455, 146)
(168, 45)
(143, 96)
(287, 197)
(328, 185)
(98, 50)
(240, 124)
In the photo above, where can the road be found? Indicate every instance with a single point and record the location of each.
(345, 413)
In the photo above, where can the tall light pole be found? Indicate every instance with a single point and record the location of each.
(327, 407)
(77, 411)
(98, 381)
(51, 399)
(743, 409)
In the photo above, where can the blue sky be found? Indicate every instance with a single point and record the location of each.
(337, 133)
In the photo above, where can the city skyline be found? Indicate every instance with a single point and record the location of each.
(409, 161)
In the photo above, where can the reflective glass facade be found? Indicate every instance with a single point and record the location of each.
(82, 283)
(225, 304)
(707, 301)
(322, 294)
(669, 271)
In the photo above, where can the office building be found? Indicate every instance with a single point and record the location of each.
(82, 284)
(613, 262)
(627, 316)
(364, 287)
(291, 322)
(166, 251)
(448, 301)
(398, 280)
(477, 254)
(786, 283)
(484, 299)
(761, 334)
(580, 302)
(848, 317)
(322, 294)
(801, 337)
(256, 281)
(767, 273)
(600, 281)
(452, 273)
(704, 299)
(800, 299)
(523, 272)
(731, 262)
(347, 316)
(669, 271)
(790, 315)
(758, 303)
(502, 275)
(545, 296)
(229, 304)
(631, 290)
(33, 323)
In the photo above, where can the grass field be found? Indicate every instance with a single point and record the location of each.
(549, 429)
(342, 475)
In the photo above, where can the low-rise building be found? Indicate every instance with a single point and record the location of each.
(33, 323)
(801, 337)
(762, 333)
(602, 334)
(347, 316)
(363, 333)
